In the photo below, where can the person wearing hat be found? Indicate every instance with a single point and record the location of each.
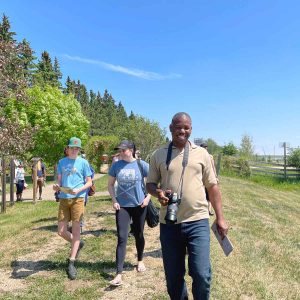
(210, 209)
(130, 202)
(20, 180)
(73, 180)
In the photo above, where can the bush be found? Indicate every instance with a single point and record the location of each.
(238, 166)
(99, 145)
(294, 158)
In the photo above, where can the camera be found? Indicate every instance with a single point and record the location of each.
(172, 208)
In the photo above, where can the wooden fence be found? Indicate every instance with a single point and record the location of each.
(278, 170)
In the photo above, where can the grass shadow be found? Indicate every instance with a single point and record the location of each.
(98, 232)
(154, 253)
(25, 268)
(52, 228)
(45, 220)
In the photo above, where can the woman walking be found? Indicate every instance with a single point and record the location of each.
(129, 202)
(20, 180)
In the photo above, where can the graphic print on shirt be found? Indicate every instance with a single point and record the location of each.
(126, 183)
(68, 170)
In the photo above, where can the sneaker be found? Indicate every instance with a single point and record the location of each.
(71, 270)
(81, 244)
(40, 198)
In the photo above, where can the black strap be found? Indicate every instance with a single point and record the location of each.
(142, 174)
(184, 164)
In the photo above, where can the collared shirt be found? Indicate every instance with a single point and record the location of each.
(198, 175)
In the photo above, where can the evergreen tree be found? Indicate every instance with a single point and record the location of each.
(57, 72)
(27, 58)
(70, 86)
(45, 74)
(5, 34)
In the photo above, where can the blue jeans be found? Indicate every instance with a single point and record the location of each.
(176, 241)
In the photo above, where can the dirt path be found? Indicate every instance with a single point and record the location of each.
(48, 193)
(136, 285)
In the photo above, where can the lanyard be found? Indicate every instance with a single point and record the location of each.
(184, 164)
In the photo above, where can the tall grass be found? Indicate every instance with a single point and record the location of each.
(264, 228)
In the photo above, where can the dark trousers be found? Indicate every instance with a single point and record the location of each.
(20, 187)
(192, 238)
(123, 217)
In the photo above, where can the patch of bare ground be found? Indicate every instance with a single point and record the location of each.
(28, 265)
(137, 285)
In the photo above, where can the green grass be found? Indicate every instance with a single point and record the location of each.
(275, 182)
(101, 183)
(264, 229)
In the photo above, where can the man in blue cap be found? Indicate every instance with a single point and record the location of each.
(73, 180)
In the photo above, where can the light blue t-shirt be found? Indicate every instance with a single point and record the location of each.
(129, 191)
(73, 173)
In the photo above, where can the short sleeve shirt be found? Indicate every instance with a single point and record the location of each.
(198, 175)
(129, 191)
(73, 174)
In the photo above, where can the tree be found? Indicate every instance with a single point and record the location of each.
(146, 135)
(246, 149)
(45, 73)
(5, 34)
(15, 138)
(57, 72)
(294, 158)
(230, 149)
(57, 117)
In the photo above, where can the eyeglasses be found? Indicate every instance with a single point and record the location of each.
(122, 150)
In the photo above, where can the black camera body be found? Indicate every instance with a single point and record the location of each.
(172, 208)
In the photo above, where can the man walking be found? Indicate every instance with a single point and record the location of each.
(181, 170)
(73, 179)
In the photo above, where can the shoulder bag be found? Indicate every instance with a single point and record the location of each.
(152, 215)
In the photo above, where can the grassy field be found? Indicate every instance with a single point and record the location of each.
(264, 228)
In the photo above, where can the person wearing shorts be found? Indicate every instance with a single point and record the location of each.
(73, 179)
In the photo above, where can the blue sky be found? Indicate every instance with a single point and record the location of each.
(233, 65)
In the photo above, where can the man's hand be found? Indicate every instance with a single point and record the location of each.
(162, 198)
(222, 227)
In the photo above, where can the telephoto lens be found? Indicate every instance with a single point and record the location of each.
(172, 208)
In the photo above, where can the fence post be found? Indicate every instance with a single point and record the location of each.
(284, 147)
(3, 204)
(12, 177)
(219, 164)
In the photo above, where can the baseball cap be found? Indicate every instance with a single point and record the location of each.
(125, 145)
(203, 145)
(74, 142)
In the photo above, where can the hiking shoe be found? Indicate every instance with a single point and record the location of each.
(81, 244)
(71, 270)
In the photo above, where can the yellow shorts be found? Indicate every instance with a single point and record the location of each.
(71, 209)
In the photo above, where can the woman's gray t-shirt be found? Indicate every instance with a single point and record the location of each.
(129, 191)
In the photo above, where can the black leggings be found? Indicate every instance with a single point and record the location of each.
(123, 216)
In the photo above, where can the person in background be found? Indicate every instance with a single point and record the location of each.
(41, 177)
(73, 179)
(210, 210)
(129, 202)
(180, 167)
(20, 180)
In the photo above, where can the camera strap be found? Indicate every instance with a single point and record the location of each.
(184, 164)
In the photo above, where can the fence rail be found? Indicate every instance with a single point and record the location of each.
(274, 169)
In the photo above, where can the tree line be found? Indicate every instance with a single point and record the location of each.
(38, 113)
